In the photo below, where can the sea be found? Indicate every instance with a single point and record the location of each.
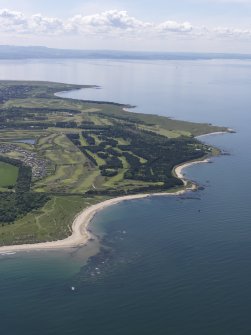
(168, 265)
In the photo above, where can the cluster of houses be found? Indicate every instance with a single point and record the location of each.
(37, 164)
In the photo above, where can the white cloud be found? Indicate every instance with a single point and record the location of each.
(231, 32)
(112, 21)
(173, 26)
(41, 24)
(11, 15)
(12, 21)
(109, 23)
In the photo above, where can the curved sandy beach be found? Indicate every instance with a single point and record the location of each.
(178, 171)
(80, 233)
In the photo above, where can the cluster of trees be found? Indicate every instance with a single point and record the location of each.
(14, 92)
(14, 205)
(66, 124)
(108, 172)
(112, 163)
(90, 157)
(160, 153)
(74, 138)
(105, 140)
(89, 139)
(113, 152)
(21, 201)
(93, 148)
(93, 126)
(21, 91)
(131, 159)
(102, 154)
(24, 179)
(109, 154)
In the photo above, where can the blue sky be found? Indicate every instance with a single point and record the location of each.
(164, 25)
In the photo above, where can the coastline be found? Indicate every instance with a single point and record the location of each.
(177, 171)
(80, 232)
(229, 131)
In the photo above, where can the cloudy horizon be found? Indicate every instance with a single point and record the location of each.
(95, 26)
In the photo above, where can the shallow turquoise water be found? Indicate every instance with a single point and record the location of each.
(169, 265)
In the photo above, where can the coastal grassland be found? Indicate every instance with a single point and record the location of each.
(8, 174)
(31, 100)
(51, 222)
(160, 124)
(84, 152)
(10, 89)
(58, 105)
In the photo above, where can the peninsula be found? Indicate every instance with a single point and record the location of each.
(61, 156)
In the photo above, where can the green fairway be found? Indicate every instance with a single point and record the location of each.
(8, 174)
(84, 152)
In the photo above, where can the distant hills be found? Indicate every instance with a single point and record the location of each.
(37, 52)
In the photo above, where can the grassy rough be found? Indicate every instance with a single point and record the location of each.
(52, 222)
(71, 173)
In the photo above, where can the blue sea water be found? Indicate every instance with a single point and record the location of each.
(169, 265)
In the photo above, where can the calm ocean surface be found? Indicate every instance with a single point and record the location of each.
(169, 265)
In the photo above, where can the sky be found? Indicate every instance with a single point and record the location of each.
(143, 25)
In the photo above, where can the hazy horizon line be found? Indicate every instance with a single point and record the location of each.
(39, 51)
